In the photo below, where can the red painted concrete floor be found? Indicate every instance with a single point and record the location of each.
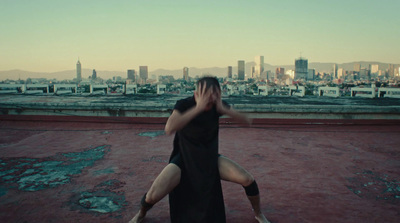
(97, 172)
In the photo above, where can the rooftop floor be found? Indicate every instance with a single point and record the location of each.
(97, 172)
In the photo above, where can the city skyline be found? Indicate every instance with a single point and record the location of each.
(45, 36)
(83, 72)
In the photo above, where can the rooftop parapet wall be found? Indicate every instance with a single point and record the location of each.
(161, 106)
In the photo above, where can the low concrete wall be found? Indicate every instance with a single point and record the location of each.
(161, 107)
(253, 111)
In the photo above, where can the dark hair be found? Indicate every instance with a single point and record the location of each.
(209, 81)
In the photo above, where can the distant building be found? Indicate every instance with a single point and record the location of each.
(268, 75)
(253, 72)
(241, 69)
(279, 72)
(229, 71)
(365, 73)
(341, 73)
(94, 75)
(166, 79)
(290, 73)
(143, 73)
(131, 75)
(78, 71)
(117, 78)
(301, 69)
(264, 75)
(311, 74)
(259, 68)
(335, 70)
(186, 74)
(374, 68)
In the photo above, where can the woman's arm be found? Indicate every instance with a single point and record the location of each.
(178, 120)
(237, 116)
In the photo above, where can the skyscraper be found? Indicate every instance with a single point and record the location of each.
(131, 75)
(301, 69)
(186, 74)
(94, 75)
(241, 69)
(78, 71)
(143, 73)
(341, 73)
(259, 68)
(229, 71)
(335, 70)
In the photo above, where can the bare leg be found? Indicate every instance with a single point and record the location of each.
(166, 181)
(233, 172)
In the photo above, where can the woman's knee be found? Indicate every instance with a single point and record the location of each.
(247, 180)
(164, 183)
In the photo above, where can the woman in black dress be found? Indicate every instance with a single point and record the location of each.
(193, 176)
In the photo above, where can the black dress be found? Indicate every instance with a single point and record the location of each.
(198, 197)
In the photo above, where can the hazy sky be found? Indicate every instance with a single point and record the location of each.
(50, 35)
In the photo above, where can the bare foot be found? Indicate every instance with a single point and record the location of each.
(261, 218)
(137, 219)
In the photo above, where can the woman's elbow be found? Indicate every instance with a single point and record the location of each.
(168, 130)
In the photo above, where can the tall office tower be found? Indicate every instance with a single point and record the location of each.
(186, 74)
(241, 69)
(341, 73)
(94, 75)
(357, 67)
(335, 70)
(143, 73)
(259, 68)
(78, 71)
(374, 68)
(301, 69)
(131, 75)
(229, 71)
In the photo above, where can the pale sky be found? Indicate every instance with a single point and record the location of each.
(50, 35)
